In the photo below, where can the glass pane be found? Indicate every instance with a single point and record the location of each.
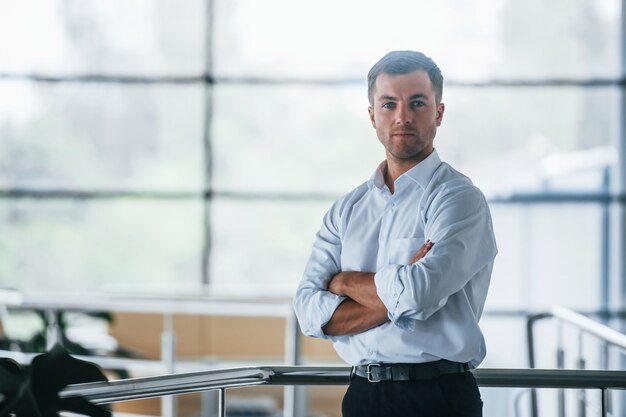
(300, 139)
(261, 247)
(106, 37)
(506, 348)
(101, 136)
(499, 401)
(100, 245)
(477, 40)
(319, 139)
(533, 138)
(536, 246)
(505, 337)
(505, 401)
(548, 254)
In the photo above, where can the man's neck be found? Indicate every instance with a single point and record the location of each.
(395, 169)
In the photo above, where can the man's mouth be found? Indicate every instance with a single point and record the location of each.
(403, 134)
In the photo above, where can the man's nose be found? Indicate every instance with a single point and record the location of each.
(404, 117)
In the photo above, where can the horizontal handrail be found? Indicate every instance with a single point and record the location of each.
(149, 387)
(200, 305)
(550, 378)
(599, 330)
(135, 366)
(140, 388)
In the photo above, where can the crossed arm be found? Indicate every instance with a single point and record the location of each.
(362, 309)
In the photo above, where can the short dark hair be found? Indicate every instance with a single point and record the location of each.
(404, 62)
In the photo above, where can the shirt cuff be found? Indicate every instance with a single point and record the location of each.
(326, 310)
(389, 288)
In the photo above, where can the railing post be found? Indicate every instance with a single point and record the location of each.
(530, 340)
(295, 401)
(221, 402)
(580, 364)
(605, 402)
(605, 365)
(560, 364)
(168, 357)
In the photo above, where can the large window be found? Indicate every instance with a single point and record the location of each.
(163, 146)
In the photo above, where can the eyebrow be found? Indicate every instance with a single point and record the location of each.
(413, 97)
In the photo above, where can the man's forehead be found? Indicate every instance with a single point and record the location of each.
(412, 84)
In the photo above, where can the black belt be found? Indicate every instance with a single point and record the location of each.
(376, 372)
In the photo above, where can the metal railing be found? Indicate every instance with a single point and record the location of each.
(584, 325)
(293, 402)
(168, 307)
(220, 380)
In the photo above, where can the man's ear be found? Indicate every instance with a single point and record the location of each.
(440, 110)
(370, 110)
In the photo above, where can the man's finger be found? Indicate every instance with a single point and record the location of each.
(422, 251)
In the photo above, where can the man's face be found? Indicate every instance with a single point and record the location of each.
(405, 115)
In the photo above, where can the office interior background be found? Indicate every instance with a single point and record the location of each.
(191, 148)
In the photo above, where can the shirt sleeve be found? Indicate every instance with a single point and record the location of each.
(459, 224)
(313, 303)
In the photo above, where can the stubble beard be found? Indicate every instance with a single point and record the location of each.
(407, 152)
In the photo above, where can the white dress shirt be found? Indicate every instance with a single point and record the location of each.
(434, 304)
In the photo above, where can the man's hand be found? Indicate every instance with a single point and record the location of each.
(422, 251)
(341, 283)
(336, 283)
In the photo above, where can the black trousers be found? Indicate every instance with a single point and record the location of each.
(450, 395)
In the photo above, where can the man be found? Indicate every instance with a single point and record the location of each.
(400, 267)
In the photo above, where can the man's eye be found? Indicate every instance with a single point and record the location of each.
(418, 104)
(389, 105)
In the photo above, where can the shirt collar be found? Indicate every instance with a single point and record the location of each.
(378, 177)
(420, 173)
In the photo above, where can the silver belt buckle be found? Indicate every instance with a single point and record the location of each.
(369, 372)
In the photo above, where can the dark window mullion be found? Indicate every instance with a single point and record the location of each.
(208, 154)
